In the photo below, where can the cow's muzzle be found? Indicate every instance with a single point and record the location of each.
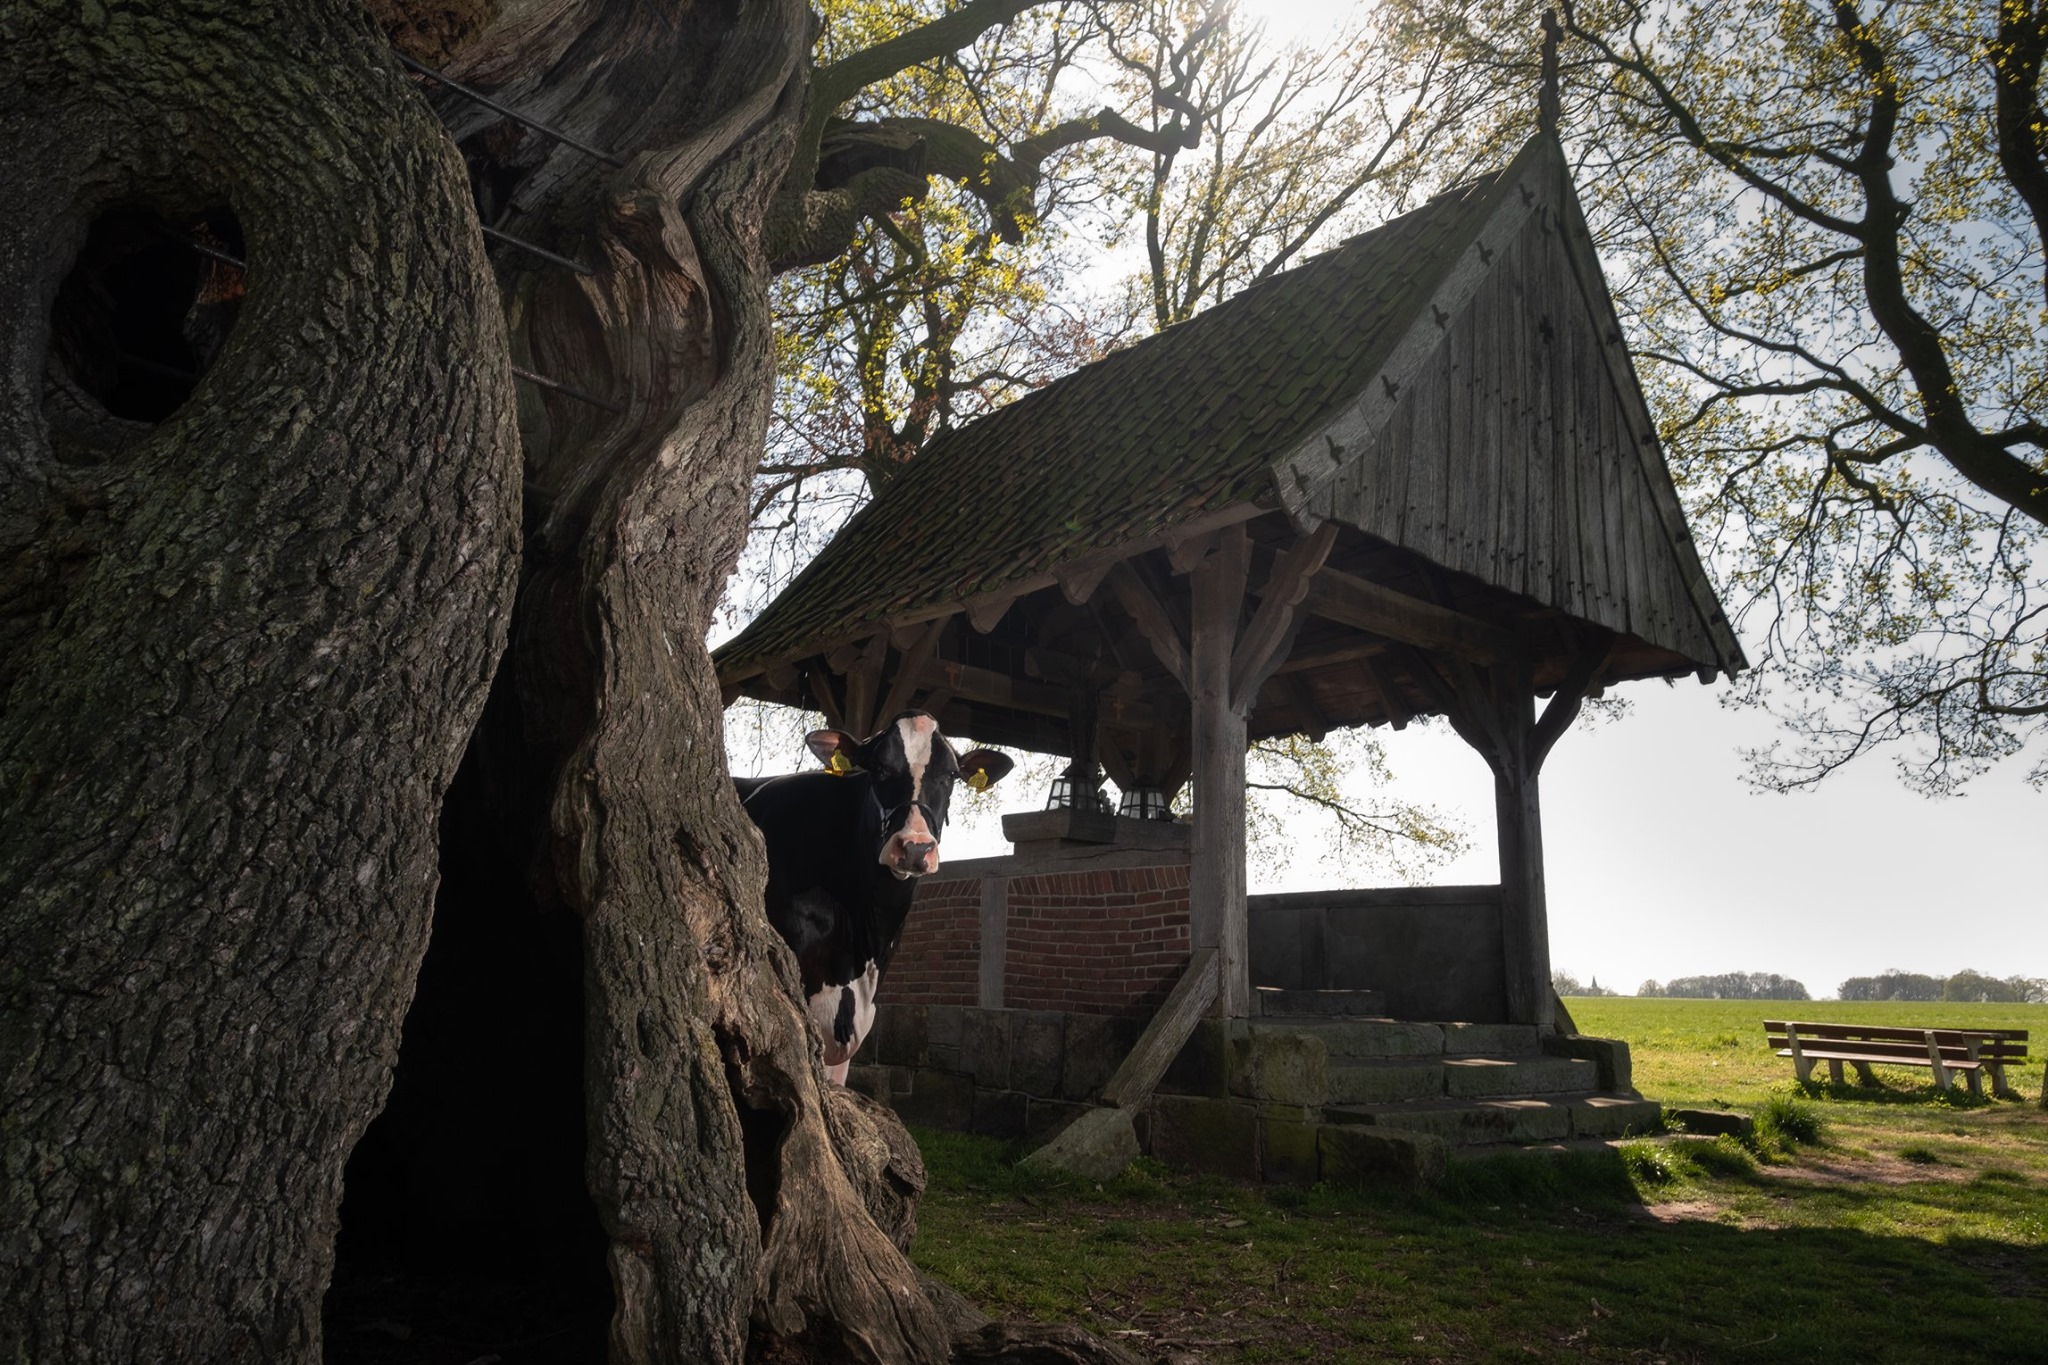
(915, 857)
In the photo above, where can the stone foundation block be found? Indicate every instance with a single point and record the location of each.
(1715, 1122)
(985, 1047)
(1200, 1134)
(1617, 1116)
(1610, 1055)
(942, 1025)
(1096, 1046)
(1288, 1151)
(1038, 1042)
(872, 1081)
(1203, 1066)
(1355, 1156)
(937, 1099)
(898, 1037)
(1291, 1068)
(999, 1113)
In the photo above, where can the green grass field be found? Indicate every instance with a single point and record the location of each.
(1916, 1230)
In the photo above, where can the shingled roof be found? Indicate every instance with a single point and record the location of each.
(1177, 425)
(1453, 388)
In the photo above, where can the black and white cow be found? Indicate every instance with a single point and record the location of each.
(845, 849)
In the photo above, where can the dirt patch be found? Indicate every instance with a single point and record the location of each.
(1699, 1211)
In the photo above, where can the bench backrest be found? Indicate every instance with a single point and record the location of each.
(1908, 1044)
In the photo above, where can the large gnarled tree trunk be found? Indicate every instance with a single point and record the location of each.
(245, 642)
(242, 648)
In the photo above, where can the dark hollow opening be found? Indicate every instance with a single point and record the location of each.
(467, 1231)
(762, 1130)
(146, 308)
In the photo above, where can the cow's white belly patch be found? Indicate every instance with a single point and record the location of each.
(848, 1009)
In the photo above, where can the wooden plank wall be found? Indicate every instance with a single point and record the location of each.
(1511, 457)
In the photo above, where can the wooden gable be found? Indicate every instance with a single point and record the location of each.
(1507, 438)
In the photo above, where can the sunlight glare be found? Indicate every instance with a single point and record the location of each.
(1307, 22)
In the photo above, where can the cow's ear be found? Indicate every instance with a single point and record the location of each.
(837, 750)
(983, 768)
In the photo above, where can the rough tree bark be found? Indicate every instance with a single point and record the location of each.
(242, 650)
(251, 644)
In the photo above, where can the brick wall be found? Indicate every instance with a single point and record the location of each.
(1098, 942)
(938, 959)
(1108, 942)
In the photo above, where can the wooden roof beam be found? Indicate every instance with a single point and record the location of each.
(1365, 605)
(1267, 640)
(1398, 714)
(987, 687)
(910, 669)
(1152, 619)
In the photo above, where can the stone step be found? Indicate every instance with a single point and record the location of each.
(1367, 1037)
(1511, 1077)
(1348, 1038)
(1275, 1002)
(1487, 1151)
(1386, 1081)
(1548, 1118)
(1492, 1040)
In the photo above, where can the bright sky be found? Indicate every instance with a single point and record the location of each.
(1662, 861)
(1298, 20)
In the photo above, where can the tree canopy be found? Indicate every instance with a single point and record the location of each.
(1825, 222)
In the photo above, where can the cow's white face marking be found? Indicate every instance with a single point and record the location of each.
(916, 733)
(849, 1008)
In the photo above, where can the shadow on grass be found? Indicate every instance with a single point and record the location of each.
(1512, 1259)
(1880, 1093)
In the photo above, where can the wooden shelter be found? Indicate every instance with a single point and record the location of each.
(1414, 475)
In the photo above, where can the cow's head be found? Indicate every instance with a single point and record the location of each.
(909, 770)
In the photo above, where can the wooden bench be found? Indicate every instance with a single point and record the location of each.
(1971, 1052)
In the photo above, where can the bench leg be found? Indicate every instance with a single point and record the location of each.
(1801, 1068)
(1835, 1070)
(1934, 1060)
(1864, 1075)
(1976, 1079)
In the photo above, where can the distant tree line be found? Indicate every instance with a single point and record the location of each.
(1966, 985)
(1564, 983)
(1728, 986)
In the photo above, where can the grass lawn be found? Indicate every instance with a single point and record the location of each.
(1915, 1231)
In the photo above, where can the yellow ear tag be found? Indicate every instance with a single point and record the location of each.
(978, 779)
(839, 765)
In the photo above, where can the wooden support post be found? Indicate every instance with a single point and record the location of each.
(995, 941)
(1801, 1068)
(1084, 730)
(1216, 873)
(1494, 710)
(1524, 907)
(1186, 1006)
